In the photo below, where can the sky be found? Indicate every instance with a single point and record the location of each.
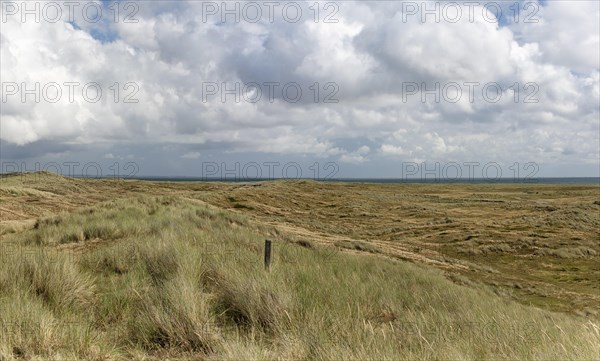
(364, 89)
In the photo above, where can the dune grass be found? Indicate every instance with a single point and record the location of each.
(170, 277)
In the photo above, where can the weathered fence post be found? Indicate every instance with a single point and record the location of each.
(267, 254)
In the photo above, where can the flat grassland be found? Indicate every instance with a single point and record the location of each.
(112, 269)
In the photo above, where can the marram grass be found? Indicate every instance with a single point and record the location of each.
(171, 278)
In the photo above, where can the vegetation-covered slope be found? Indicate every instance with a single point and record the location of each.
(136, 274)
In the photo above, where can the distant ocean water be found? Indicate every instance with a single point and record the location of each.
(557, 180)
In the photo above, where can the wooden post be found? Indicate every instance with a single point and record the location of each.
(267, 254)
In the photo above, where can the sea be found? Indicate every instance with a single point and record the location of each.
(545, 180)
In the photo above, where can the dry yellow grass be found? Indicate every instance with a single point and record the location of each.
(535, 243)
(130, 269)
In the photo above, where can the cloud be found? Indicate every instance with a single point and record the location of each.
(466, 50)
(352, 74)
(356, 157)
(566, 33)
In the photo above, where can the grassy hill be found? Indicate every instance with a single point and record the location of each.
(105, 269)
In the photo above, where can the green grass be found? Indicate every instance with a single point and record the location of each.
(169, 277)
